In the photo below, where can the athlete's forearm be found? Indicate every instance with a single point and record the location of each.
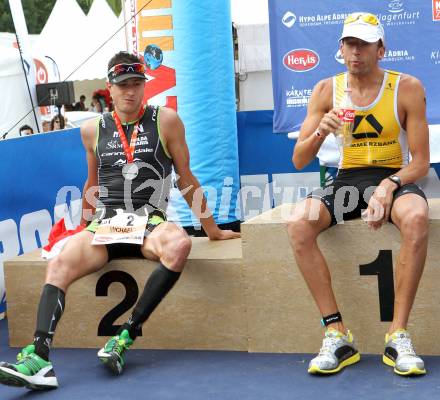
(415, 170)
(192, 192)
(306, 150)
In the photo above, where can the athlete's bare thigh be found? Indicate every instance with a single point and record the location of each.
(78, 258)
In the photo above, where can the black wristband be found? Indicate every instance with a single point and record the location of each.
(330, 319)
(319, 134)
(396, 180)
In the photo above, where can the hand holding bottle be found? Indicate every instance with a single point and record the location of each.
(346, 114)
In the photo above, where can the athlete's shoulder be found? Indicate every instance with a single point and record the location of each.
(410, 88)
(90, 125)
(89, 130)
(168, 118)
(171, 126)
(168, 112)
(411, 92)
(322, 94)
(324, 86)
(410, 81)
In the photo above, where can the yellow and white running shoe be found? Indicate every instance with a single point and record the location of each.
(399, 353)
(337, 352)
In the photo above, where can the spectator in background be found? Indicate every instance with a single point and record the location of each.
(57, 123)
(97, 104)
(26, 130)
(102, 96)
(46, 126)
(80, 105)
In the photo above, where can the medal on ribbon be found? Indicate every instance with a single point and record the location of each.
(130, 170)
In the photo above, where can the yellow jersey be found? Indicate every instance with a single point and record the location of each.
(379, 140)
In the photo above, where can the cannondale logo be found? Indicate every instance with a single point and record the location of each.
(395, 6)
(289, 19)
(339, 58)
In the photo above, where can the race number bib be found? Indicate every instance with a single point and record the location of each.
(122, 228)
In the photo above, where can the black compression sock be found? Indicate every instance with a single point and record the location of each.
(158, 285)
(50, 309)
(42, 343)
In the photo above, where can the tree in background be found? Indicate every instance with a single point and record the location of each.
(115, 5)
(37, 12)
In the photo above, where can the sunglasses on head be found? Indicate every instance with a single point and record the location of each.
(368, 18)
(119, 69)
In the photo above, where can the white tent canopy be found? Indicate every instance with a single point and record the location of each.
(71, 38)
(13, 87)
(102, 25)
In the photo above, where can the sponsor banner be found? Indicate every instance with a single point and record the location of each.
(305, 49)
(42, 180)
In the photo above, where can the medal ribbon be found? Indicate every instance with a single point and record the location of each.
(128, 150)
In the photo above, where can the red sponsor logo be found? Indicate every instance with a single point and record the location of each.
(301, 60)
(436, 10)
(40, 72)
(346, 115)
(164, 79)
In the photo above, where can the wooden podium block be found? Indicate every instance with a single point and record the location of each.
(282, 315)
(245, 294)
(203, 311)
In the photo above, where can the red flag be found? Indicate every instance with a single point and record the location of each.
(58, 237)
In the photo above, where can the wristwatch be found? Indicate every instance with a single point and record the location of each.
(396, 180)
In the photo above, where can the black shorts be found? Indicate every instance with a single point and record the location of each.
(123, 250)
(350, 192)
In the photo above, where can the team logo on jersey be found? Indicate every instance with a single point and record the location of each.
(119, 163)
(372, 121)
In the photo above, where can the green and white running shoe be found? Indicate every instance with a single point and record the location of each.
(337, 352)
(399, 353)
(113, 353)
(31, 371)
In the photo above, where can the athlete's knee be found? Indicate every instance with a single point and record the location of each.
(301, 233)
(414, 227)
(59, 272)
(177, 250)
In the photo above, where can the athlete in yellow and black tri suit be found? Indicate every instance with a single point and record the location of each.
(376, 175)
(379, 149)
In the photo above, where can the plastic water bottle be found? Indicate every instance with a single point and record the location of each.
(346, 115)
